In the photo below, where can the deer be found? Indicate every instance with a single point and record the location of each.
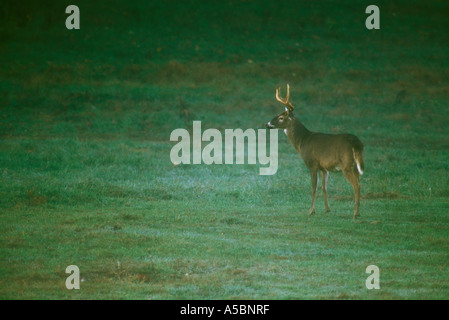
(322, 152)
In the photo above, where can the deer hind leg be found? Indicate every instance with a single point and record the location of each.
(314, 174)
(324, 178)
(353, 177)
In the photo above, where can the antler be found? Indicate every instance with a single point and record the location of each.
(285, 101)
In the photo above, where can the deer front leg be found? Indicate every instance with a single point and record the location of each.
(324, 177)
(314, 174)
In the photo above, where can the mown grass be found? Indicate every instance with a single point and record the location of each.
(86, 177)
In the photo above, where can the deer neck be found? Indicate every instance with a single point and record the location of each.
(296, 133)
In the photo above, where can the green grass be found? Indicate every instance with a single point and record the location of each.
(85, 170)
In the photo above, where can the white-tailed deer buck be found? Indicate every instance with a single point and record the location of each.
(322, 152)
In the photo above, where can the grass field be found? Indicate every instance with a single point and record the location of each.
(85, 171)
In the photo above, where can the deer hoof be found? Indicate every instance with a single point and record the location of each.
(311, 212)
(327, 210)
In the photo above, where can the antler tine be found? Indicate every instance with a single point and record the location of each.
(278, 98)
(285, 101)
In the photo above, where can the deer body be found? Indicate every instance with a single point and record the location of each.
(322, 152)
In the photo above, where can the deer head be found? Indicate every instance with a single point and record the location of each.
(284, 119)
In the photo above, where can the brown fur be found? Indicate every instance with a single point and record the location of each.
(323, 152)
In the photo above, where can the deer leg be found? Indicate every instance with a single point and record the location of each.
(353, 178)
(314, 174)
(356, 195)
(324, 177)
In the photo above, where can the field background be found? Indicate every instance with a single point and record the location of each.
(86, 178)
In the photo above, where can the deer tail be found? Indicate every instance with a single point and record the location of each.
(358, 157)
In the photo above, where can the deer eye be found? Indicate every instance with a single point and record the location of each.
(281, 118)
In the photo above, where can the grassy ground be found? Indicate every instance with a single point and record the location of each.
(86, 178)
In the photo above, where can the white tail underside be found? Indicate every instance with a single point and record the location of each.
(357, 162)
(358, 167)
